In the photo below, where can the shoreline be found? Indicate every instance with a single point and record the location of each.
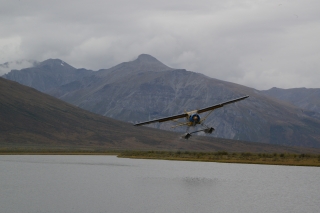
(284, 159)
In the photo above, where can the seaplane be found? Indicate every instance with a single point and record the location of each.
(192, 118)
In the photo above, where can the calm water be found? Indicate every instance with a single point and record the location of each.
(109, 184)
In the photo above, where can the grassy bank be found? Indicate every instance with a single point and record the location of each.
(222, 156)
(56, 150)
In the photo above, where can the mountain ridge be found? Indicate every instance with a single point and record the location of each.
(135, 91)
(32, 120)
(48, 74)
(305, 98)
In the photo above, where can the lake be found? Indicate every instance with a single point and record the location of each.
(53, 183)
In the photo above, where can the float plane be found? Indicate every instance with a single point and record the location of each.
(193, 118)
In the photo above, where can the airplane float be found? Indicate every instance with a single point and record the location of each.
(193, 118)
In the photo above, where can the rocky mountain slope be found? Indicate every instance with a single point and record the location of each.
(307, 99)
(33, 120)
(146, 89)
(16, 65)
(47, 75)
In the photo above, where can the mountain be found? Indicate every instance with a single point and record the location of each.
(307, 99)
(143, 63)
(15, 65)
(30, 117)
(145, 89)
(33, 120)
(47, 75)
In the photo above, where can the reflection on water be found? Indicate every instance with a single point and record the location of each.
(110, 184)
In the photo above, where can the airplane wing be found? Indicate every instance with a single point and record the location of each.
(221, 104)
(163, 119)
(186, 114)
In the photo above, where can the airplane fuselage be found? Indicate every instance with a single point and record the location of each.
(193, 119)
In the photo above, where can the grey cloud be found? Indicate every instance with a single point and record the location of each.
(260, 44)
(15, 65)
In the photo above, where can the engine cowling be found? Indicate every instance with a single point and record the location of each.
(194, 118)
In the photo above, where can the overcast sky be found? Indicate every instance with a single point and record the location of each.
(256, 43)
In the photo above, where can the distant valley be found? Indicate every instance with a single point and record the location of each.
(146, 89)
